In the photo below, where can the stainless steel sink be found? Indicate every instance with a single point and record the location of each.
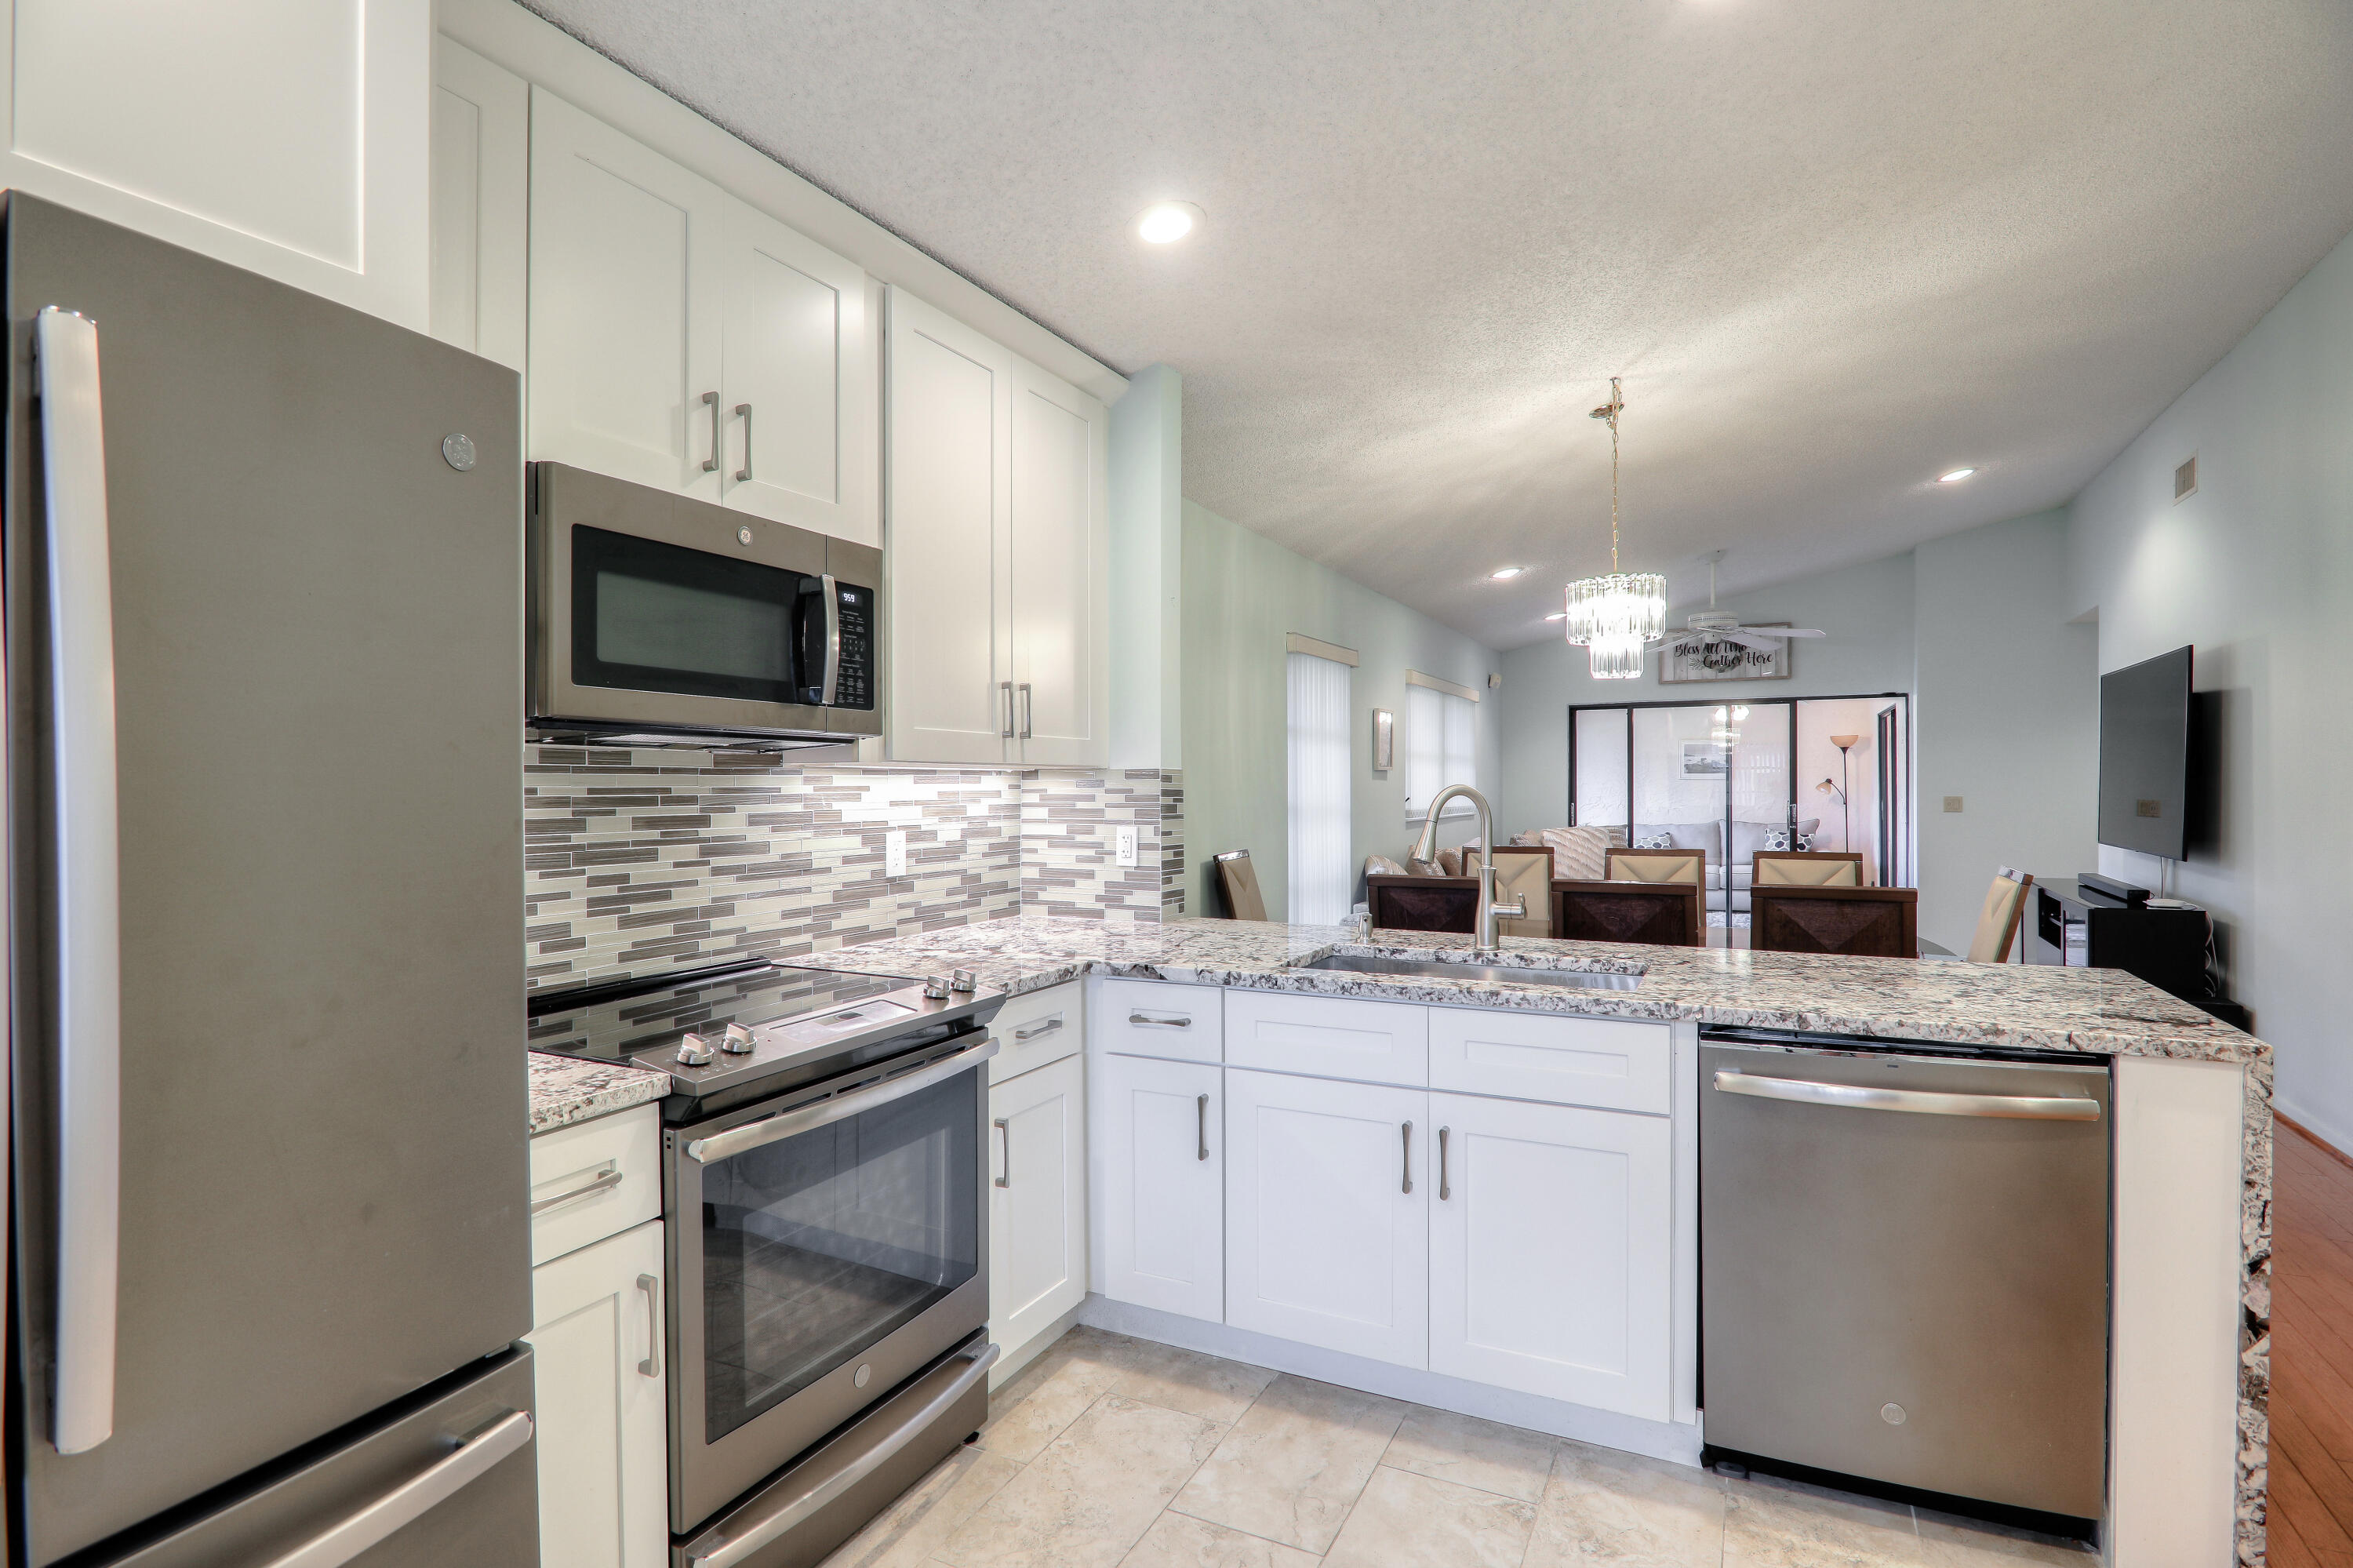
(1369, 964)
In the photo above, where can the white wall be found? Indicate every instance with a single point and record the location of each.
(2006, 715)
(1243, 595)
(1866, 610)
(2256, 571)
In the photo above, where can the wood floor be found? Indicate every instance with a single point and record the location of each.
(2312, 1355)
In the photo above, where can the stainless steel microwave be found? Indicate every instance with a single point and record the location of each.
(658, 620)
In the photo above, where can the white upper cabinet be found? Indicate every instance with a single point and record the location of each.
(682, 339)
(999, 552)
(481, 195)
(287, 137)
(1550, 1251)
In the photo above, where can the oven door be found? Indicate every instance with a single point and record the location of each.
(652, 612)
(824, 1246)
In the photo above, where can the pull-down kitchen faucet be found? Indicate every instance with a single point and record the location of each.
(1483, 920)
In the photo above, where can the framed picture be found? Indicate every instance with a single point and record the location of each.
(1701, 658)
(1384, 740)
(1706, 760)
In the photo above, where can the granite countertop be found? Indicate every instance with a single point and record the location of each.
(565, 1089)
(2017, 1006)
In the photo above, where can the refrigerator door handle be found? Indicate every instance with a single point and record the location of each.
(412, 1498)
(89, 915)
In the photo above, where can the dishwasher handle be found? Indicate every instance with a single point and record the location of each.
(1919, 1102)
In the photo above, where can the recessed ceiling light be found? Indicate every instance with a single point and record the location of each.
(1164, 223)
(1955, 477)
(1507, 572)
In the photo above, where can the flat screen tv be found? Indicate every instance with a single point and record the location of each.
(2145, 755)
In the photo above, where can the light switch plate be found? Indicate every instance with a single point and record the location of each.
(1123, 843)
(894, 852)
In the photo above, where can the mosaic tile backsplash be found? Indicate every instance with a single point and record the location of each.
(638, 858)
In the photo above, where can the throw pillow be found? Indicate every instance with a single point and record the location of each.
(1382, 865)
(1655, 841)
(1787, 839)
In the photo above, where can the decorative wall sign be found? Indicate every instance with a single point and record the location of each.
(1384, 740)
(1698, 657)
(1706, 759)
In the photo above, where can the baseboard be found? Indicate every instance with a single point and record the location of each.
(1671, 1441)
(2313, 1138)
(1013, 1360)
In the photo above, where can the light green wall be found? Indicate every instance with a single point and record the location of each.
(1243, 596)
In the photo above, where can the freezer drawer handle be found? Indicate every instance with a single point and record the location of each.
(608, 1176)
(1920, 1102)
(412, 1498)
(89, 910)
(763, 1532)
(852, 1102)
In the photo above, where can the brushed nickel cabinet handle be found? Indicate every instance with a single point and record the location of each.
(710, 463)
(1007, 1133)
(1035, 1030)
(1444, 1192)
(745, 471)
(606, 1176)
(1006, 687)
(1161, 1020)
(651, 1365)
(1202, 1110)
(1405, 1140)
(1028, 705)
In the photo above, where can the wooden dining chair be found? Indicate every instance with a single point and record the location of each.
(1523, 873)
(1239, 881)
(2005, 904)
(1422, 903)
(1862, 922)
(1656, 866)
(1669, 913)
(1805, 868)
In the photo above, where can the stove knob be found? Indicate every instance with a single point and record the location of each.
(694, 1051)
(964, 980)
(937, 987)
(737, 1040)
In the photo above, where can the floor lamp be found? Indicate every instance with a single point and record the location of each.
(1846, 815)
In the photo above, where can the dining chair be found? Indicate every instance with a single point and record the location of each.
(1523, 873)
(1861, 921)
(2005, 904)
(1805, 868)
(1655, 866)
(1239, 881)
(1626, 909)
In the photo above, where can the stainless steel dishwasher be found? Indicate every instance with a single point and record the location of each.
(1904, 1266)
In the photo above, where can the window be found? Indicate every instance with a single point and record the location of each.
(1439, 748)
(1323, 873)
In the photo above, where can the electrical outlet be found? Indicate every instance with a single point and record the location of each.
(894, 852)
(1952, 802)
(1123, 843)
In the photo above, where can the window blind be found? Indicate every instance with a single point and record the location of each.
(1441, 748)
(1323, 873)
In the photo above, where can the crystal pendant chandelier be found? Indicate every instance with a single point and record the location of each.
(1615, 619)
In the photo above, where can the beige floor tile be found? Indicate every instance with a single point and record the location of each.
(1179, 1541)
(1051, 1392)
(906, 1534)
(1090, 1495)
(1948, 1541)
(1210, 1387)
(1602, 1507)
(1511, 1461)
(1781, 1524)
(1404, 1521)
(1292, 1467)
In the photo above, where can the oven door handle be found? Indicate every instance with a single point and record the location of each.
(788, 1124)
(745, 1537)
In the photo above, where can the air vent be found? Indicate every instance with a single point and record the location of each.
(2185, 480)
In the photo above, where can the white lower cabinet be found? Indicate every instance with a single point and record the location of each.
(1159, 1189)
(1038, 1201)
(604, 1477)
(1327, 1237)
(1550, 1262)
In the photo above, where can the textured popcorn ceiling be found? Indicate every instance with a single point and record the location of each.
(1834, 248)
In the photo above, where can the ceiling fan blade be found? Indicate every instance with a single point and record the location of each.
(1778, 631)
(1758, 643)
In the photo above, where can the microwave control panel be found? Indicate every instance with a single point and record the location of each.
(854, 687)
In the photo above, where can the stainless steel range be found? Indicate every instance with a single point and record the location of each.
(826, 1232)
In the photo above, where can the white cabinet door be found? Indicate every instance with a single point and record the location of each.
(1159, 1162)
(1551, 1267)
(625, 319)
(1038, 1201)
(482, 204)
(949, 486)
(796, 381)
(1327, 1215)
(1330, 1036)
(604, 1475)
(1060, 571)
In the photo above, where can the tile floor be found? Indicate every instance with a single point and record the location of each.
(1110, 1452)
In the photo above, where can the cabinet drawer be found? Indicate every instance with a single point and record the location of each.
(594, 1181)
(1033, 1030)
(1328, 1036)
(1155, 1018)
(1615, 1063)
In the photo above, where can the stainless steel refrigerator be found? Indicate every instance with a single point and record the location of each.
(263, 587)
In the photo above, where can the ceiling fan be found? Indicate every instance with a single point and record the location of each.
(1714, 625)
